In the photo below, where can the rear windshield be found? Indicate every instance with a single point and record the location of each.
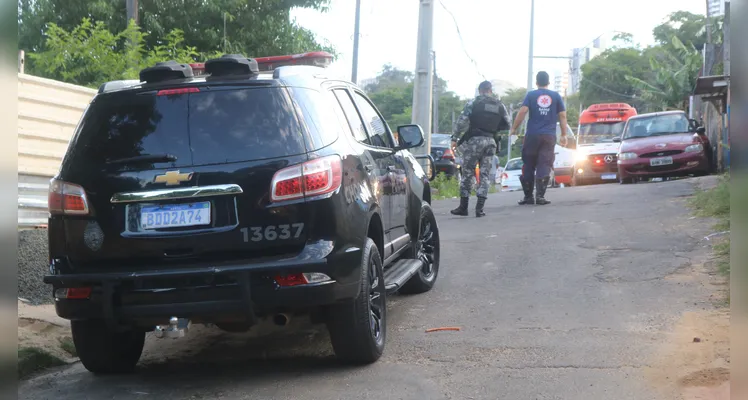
(514, 165)
(209, 127)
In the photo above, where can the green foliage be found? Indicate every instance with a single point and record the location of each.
(674, 75)
(714, 202)
(446, 187)
(604, 77)
(392, 93)
(689, 28)
(90, 55)
(253, 27)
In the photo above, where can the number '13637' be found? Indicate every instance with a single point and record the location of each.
(272, 232)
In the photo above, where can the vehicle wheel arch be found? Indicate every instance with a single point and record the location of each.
(375, 228)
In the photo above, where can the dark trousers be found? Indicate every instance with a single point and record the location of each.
(538, 155)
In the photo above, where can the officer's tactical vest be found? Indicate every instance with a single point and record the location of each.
(486, 116)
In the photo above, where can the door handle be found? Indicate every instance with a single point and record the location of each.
(367, 167)
(391, 168)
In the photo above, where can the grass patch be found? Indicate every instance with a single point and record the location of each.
(32, 360)
(449, 187)
(66, 343)
(714, 202)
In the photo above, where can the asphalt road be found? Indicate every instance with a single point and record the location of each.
(565, 301)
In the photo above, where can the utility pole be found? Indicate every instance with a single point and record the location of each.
(132, 10)
(726, 39)
(356, 34)
(424, 74)
(435, 110)
(530, 55)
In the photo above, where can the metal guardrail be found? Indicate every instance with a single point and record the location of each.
(32, 200)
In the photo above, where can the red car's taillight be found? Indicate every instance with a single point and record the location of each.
(66, 198)
(448, 155)
(312, 178)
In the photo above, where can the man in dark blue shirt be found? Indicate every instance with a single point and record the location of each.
(545, 107)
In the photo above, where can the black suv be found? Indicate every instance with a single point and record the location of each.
(234, 197)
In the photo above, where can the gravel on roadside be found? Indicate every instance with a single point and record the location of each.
(32, 266)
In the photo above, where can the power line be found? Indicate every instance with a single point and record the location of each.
(462, 43)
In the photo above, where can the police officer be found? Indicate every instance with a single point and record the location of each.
(483, 118)
(538, 149)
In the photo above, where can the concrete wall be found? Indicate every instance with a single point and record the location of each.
(48, 112)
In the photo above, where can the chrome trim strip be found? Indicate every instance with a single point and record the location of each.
(177, 193)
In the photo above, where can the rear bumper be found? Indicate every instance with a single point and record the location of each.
(446, 167)
(210, 293)
(683, 164)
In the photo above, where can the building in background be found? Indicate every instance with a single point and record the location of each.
(579, 57)
(561, 82)
(716, 8)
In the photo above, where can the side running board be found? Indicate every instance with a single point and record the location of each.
(399, 273)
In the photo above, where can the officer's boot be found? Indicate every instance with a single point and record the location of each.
(541, 184)
(527, 188)
(479, 207)
(463, 208)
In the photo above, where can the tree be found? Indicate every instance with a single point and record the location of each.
(88, 56)
(689, 28)
(392, 93)
(253, 27)
(675, 74)
(604, 77)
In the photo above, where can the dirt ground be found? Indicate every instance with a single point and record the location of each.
(694, 363)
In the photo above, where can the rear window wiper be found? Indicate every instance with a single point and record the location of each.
(153, 158)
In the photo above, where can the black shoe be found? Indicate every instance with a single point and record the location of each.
(479, 207)
(541, 184)
(463, 208)
(527, 188)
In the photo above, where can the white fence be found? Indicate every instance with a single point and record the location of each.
(48, 112)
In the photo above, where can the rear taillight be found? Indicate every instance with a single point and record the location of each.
(448, 155)
(312, 178)
(66, 198)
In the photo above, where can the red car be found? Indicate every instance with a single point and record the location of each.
(664, 144)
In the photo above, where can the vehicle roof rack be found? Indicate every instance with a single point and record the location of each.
(165, 71)
(231, 64)
(118, 85)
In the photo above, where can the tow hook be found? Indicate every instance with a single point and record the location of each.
(177, 328)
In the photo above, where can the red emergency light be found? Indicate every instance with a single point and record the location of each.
(321, 59)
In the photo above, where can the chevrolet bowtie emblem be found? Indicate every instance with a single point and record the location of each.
(172, 178)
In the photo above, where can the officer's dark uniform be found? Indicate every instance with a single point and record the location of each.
(483, 117)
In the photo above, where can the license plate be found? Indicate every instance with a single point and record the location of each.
(609, 176)
(175, 215)
(655, 162)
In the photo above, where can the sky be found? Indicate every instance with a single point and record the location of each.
(495, 34)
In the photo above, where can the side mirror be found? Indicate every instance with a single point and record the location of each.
(617, 139)
(701, 131)
(410, 136)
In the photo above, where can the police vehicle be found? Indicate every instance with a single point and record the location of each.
(231, 192)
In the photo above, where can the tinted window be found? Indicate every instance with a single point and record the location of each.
(354, 120)
(378, 130)
(338, 111)
(241, 125)
(318, 116)
(129, 125)
(199, 128)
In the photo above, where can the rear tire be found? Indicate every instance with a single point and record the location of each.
(358, 327)
(103, 351)
(426, 247)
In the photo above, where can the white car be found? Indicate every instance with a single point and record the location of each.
(510, 177)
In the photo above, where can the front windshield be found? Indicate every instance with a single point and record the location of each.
(514, 165)
(656, 125)
(600, 132)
